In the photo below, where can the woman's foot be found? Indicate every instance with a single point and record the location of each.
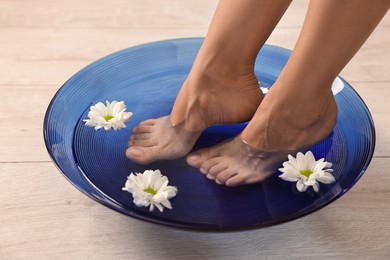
(221, 87)
(235, 162)
(157, 139)
(281, 126)
(209, 96)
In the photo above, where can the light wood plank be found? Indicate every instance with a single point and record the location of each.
(100, 14)
(51, 56)
(372, 61)
(122, 14)
(23, 107)
(44, 217)
(375, 95)
(125, 14)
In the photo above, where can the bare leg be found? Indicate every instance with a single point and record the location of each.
(221, 76)
(300, 109)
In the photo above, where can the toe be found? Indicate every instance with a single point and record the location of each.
(218, 168)
(205, 167)
(210, 177)
(235, 180)
(141, 129)
(199, 157)
(143, 136)
(140, 155)
(194, 160)
(138, 137)
(149, 122)
(224, 175)
(143, 143)
(135, 153)
(243, 177)
(130, 142)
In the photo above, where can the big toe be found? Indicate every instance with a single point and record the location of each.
(194, 160)
(139, 155)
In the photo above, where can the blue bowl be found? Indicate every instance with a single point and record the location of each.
(148, 78)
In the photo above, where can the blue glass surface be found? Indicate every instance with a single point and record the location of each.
(148, 78)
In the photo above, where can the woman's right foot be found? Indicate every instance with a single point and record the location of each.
(285, 123)
(208, 97)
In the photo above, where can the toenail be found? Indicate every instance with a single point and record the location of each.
(210, 177)
(218, 182)
(135, 152)
(193, 157)
(202, 170)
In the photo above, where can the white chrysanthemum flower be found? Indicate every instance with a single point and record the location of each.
(111, 115)
(306, 171)
(150, 189)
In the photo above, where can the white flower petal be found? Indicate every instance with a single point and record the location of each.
(98, 127)
(319, 165)
(302, 162)
(159, 206)
(100, 109)
(139, 186)
(326, 178)
(317, 171)
(309, 182)
(167, 204)
(126, 116)
(310, 160)
(160, 197)
(153, 178)
(316, 187)
(292, 161)
(288, 176)
(116, 110)
(301, 187)
(161, 183)
(170, 190)
(89, 123)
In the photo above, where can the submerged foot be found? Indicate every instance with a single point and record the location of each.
(157, 139)
(235, 162)
(205, 99)
(279, 127)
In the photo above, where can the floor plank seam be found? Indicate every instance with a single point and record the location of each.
(367, 81)
(24, 162)
(56, 85)
(129, 27)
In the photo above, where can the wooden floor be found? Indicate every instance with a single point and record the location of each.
(42, 216)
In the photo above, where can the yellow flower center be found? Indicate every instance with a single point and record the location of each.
(306, 173)
(151, 191)
(108, 118)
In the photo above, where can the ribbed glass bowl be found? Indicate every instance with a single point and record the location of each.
(148, 77)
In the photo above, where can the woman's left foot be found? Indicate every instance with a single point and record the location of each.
(285, 123)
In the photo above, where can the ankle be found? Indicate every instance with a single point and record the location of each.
(216, 65)
(286, 126)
